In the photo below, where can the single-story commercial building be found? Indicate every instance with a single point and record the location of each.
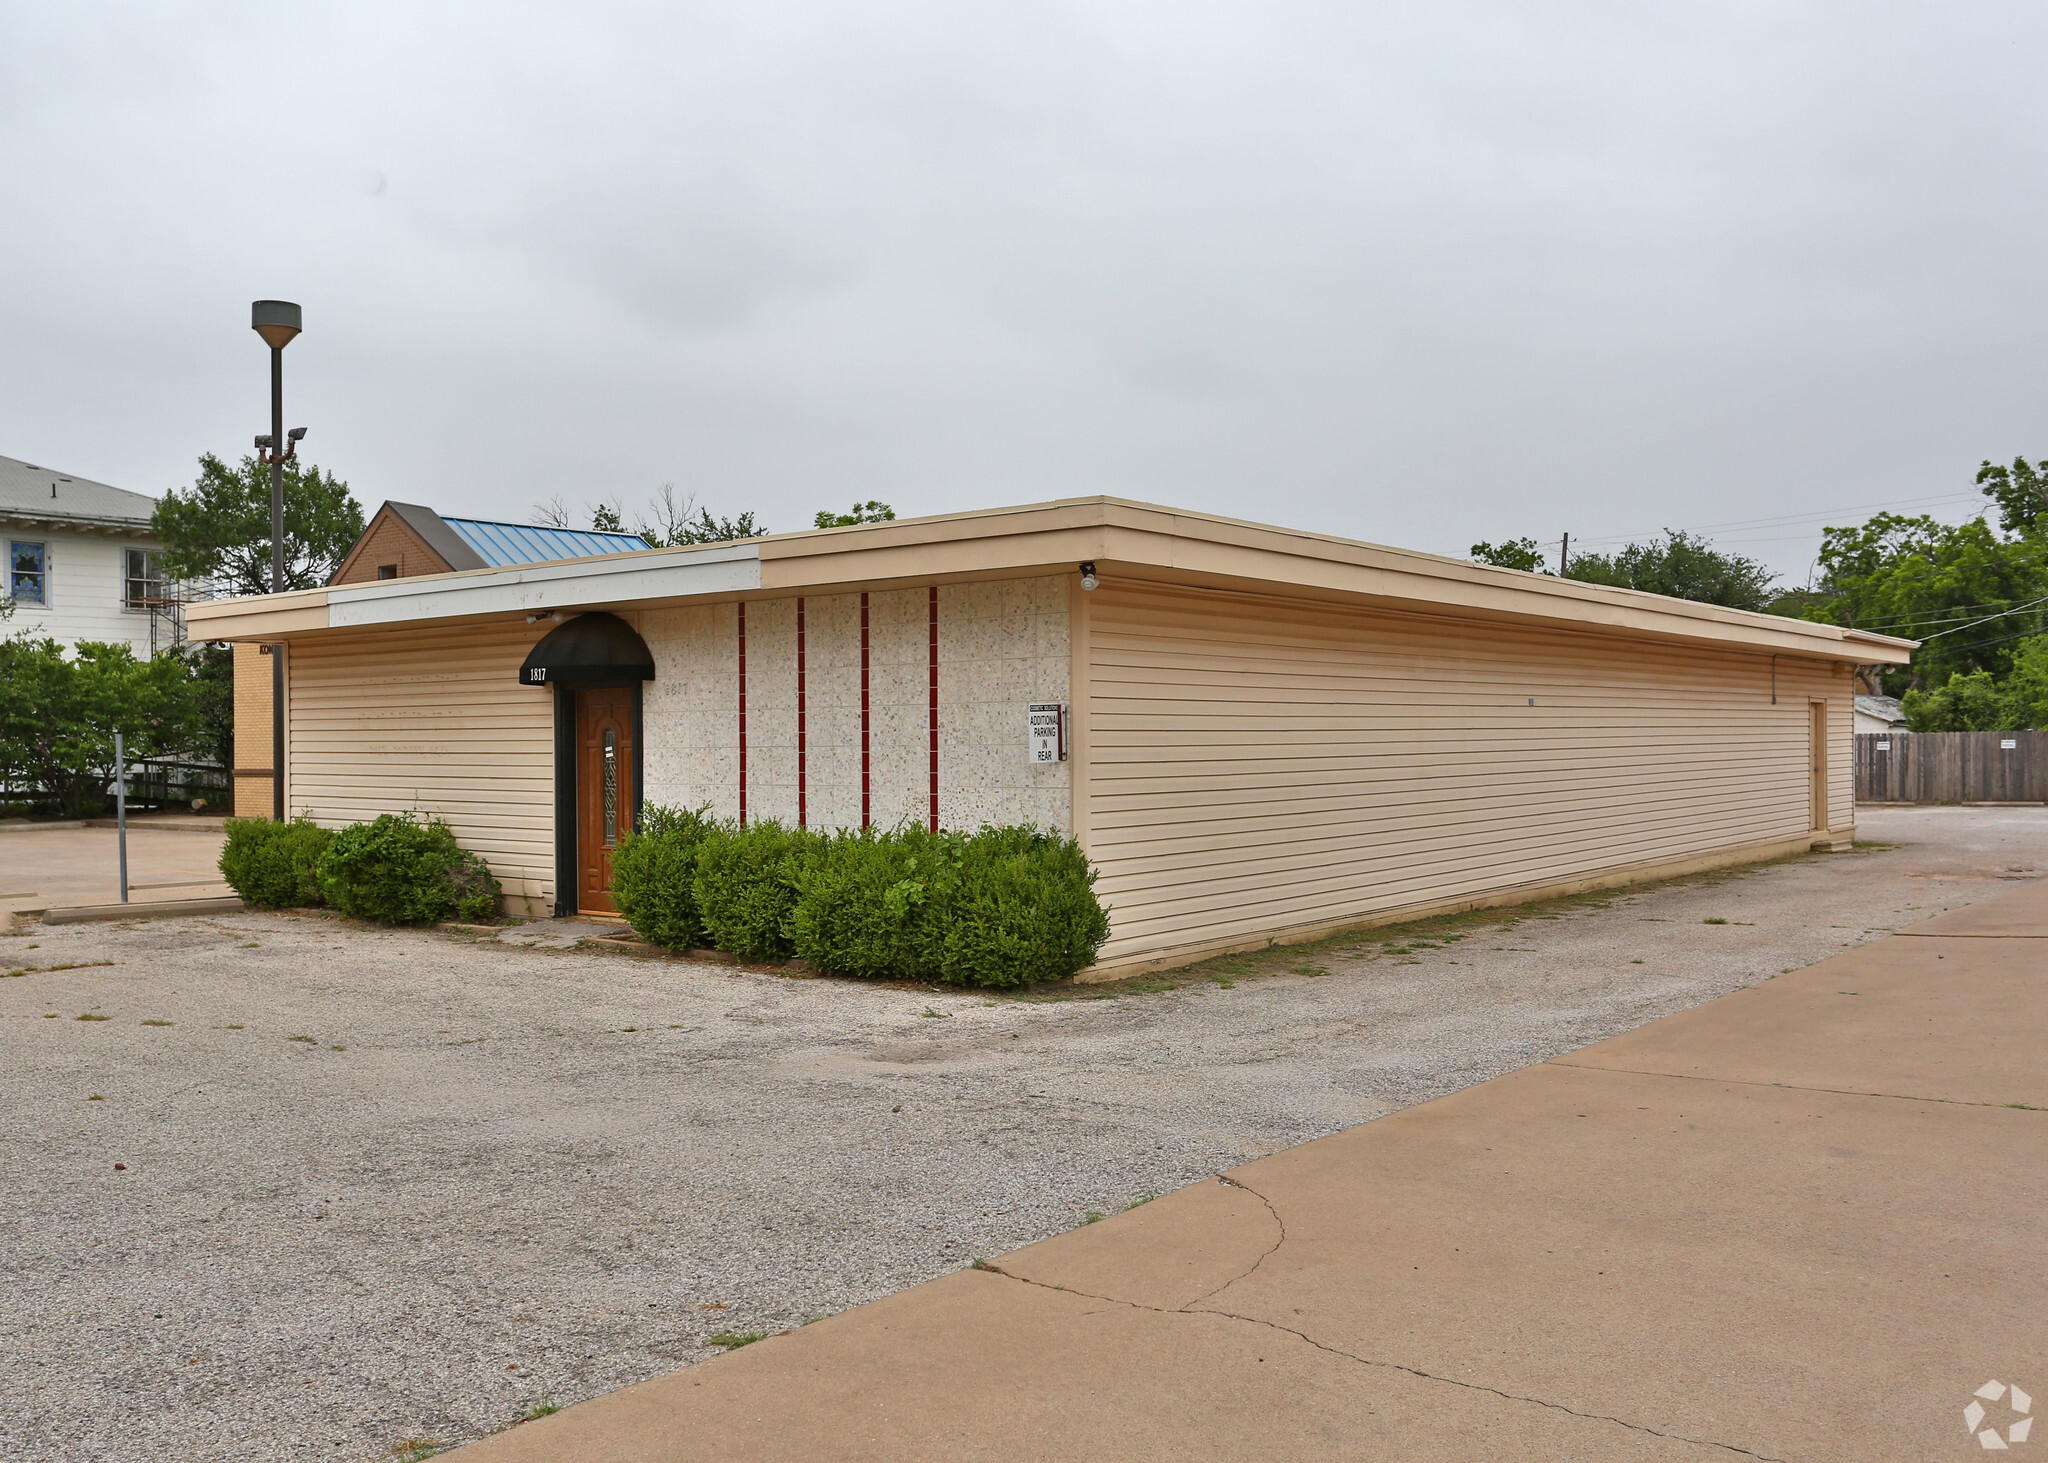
(1257, 733)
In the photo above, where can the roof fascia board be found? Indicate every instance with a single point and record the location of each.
(1136, 539)
(1202, 549)
(1421, 582)
(257, 616)
(76, 523)
(561, 584)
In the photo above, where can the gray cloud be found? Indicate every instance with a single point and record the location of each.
(1421, 274)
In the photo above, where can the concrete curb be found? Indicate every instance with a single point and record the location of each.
(79, 914)
(167, 825)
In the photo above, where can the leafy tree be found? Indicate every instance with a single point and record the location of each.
(2026, 689)
(869, 512)
(1683, 566)
(1960, 588)
(212, 668)
(1514, 553)
(1980, 702)
(1967, 703)
(58, 716)
(2020, 491)
(219, 528)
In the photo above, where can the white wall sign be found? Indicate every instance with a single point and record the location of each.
(1884, 746)
(1047, 731)
(2008, 745)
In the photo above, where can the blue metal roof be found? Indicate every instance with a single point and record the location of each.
(502, 545)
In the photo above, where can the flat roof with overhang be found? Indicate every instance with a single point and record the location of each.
(1121, 538)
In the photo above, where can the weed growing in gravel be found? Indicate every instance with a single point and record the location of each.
(1223, 980)
(5, 974)
(1716, 920)
(417, 1450)
(1141, 1199)
(936, 1015)
(49, 1015)
(734, 1340)
(96, 1097)
(1310, 970)
(1635, 962)
(91, 1016)
(229, 1028)
(542, 1408)
(153, 1021)
(309, 1041)
(1093, 1216)
(337, 1048)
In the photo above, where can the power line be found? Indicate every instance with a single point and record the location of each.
(1788, 519)
(2013, 611)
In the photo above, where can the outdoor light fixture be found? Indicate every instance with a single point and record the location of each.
(278, 322)
(1088, 579)
(538, 615)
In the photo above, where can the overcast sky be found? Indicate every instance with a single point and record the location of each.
(1417, 273)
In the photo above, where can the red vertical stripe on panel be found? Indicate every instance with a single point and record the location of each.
(866, 812)
(803, 806)
(743, 713)
(932, 657)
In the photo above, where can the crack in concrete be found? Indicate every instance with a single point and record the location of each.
(1196, 1308)
(1790, 1086)
(1278, 1223)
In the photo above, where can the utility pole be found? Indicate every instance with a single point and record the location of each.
(277, 321)
(1564, 555)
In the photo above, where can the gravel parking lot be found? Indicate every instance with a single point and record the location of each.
(300, 1189)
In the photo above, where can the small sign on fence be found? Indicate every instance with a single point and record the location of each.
(1884, 746)
(2006, 744)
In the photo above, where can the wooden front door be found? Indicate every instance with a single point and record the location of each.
(604, 790)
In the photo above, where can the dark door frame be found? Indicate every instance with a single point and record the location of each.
(566, 886)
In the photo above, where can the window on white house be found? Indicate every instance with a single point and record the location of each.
(28, 578)
(143, 583)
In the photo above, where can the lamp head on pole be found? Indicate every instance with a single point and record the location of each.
(277, 321)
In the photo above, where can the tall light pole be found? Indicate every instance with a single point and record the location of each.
(277, 321)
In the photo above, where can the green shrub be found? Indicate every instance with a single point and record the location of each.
(274, 864)
(654, 874)
(746, 886)
(1017, 907)
(398, 869)
(999, 907)
(851, 915)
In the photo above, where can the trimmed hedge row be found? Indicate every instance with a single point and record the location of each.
(396, 869)
(998, 907)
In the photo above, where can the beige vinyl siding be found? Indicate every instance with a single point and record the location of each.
(1256, 765)
(433, 721)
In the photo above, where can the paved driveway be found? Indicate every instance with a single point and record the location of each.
(391, 1185)
(42, 866)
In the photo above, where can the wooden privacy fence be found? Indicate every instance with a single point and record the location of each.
(1952, 767)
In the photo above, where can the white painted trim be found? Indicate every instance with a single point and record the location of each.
(563, 584)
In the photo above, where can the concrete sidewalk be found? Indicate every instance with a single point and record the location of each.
(1804, 1221)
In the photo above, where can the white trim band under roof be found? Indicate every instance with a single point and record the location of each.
(563, 584)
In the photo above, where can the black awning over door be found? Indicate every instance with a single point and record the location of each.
(587, 650)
